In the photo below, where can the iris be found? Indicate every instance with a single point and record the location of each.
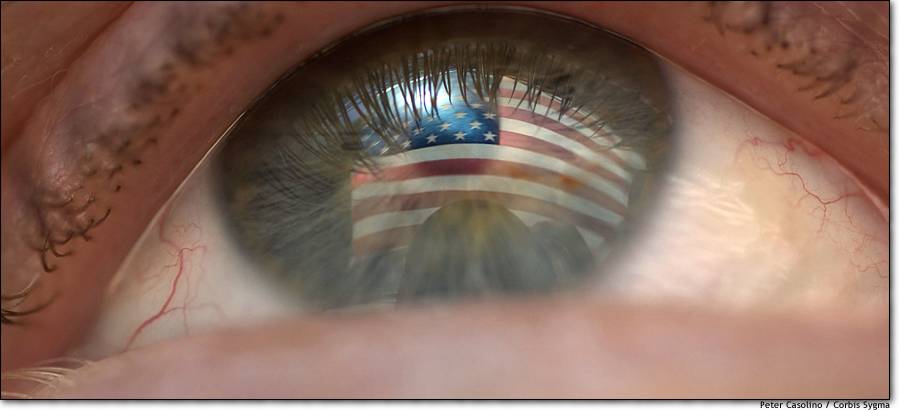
(453, 154)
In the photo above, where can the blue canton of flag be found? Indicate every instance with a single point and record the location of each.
(453, 123)
(456, 124)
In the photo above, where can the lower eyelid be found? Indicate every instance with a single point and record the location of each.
(550, 349)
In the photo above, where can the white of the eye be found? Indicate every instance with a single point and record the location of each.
(741, 221)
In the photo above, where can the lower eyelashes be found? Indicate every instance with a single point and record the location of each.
(454, 165)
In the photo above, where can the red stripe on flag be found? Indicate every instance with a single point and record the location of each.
(392, 236)
(512, 139)
(526, 115)
(549, 102)
(516, 140)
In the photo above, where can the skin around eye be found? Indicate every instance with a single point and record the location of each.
(137, 227)
(747, 218)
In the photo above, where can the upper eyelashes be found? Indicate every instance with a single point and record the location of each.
(68, 204)
(835, 60)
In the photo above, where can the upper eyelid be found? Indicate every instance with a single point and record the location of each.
(812, 43)
(153, 93)
(830, 86)
(66, 186)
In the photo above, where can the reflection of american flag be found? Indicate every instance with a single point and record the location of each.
(538, 165)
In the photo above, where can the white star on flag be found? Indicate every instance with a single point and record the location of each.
(460, 135)
(444, 126)
(460, 115)
(489, 136)
(406, 144)
(475, 125)
(431, 138)
(489, 115)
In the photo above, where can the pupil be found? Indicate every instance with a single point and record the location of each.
(474, 247)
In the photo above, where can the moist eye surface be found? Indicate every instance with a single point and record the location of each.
(455, 154)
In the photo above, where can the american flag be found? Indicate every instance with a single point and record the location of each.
(538, 164)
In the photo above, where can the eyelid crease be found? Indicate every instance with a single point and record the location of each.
(69, 194)
(30, 77)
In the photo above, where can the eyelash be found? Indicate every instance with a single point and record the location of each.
(809, 46)
(617, 96)
(66, 210)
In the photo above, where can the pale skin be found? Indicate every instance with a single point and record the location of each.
(499, 349)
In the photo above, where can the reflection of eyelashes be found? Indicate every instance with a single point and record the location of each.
(288, 192)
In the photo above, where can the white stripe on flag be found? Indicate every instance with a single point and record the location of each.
(543, 134)
(489, 183)
(377, 223)
(593, 162)
(633, 159)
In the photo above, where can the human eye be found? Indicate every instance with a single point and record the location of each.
(183, 249)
